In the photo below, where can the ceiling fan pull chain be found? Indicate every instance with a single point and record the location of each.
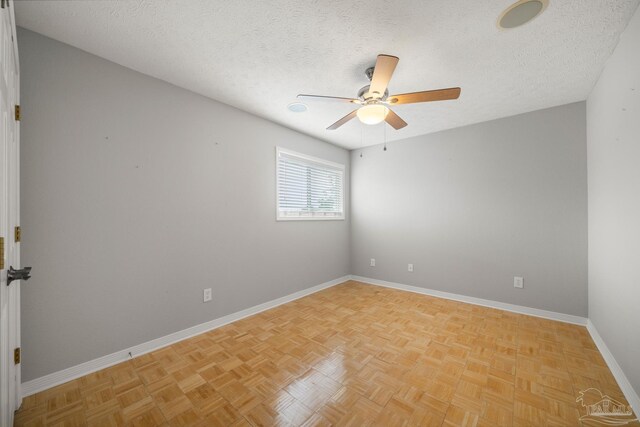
(361, 138)
(385, 136)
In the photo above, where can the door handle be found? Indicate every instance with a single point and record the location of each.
(22, 274)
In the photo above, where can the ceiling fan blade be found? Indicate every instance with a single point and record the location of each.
(343, 120)
(425, 96)
(385, 65)
(394, 120)
(328, 98)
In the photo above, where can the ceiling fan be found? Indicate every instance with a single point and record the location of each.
(374, 98)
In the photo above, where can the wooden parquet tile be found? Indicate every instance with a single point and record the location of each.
(351, 355)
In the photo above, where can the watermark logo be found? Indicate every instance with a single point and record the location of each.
(604, 409)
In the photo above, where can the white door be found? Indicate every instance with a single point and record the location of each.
(10, 396)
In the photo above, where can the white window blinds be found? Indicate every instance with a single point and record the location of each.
(308, 187)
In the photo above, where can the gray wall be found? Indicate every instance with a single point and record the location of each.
(137, 195)
(473, 207)
(613, 143)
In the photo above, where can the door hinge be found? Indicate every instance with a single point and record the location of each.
(1, 253)
(17, 113)
(17, 233)
(16, 356)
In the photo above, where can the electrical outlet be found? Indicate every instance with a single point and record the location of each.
(373, 262)
(518, 282)
(207, 295)
(410, 268)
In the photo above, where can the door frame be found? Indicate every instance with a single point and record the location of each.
(10, 181)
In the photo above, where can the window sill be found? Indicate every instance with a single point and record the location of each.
(309, 218)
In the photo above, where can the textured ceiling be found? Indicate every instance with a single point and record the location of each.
(258, 55)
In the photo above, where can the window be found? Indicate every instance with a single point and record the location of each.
(308, 188)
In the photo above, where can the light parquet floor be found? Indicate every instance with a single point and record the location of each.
(351, 355)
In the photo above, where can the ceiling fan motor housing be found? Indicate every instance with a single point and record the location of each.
(365, 95)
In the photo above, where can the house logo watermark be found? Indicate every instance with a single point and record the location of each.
(604, 409)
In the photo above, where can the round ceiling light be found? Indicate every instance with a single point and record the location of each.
(372, 114)
(521, 12)
(297, 107)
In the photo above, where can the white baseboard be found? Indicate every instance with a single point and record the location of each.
(616, 370)
(567, 318)
(69, 374)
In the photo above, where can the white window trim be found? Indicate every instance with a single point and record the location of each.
(320, 161)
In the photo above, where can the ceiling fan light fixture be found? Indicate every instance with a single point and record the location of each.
(372, 114)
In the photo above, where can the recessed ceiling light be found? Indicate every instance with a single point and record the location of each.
(521, 12)
(297, 107)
